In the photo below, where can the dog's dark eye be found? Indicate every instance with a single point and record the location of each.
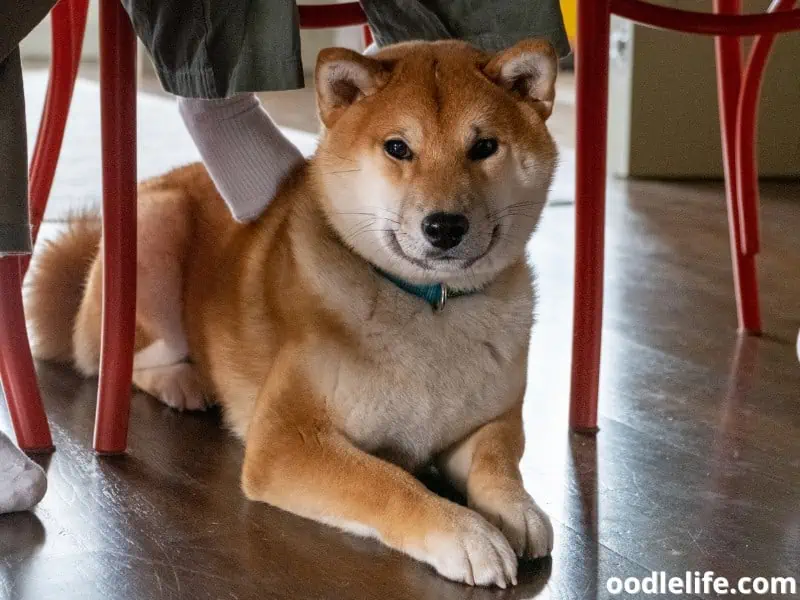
(483, 148)
(397, 149)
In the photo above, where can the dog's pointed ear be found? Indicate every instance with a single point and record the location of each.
(344, 77)
(528, 69)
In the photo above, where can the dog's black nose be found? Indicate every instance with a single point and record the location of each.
(445, 230)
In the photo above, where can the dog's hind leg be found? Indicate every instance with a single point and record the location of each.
(161, 365)
(161, 368)
(163, 237)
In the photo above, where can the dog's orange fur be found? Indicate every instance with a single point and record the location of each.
(339, 383)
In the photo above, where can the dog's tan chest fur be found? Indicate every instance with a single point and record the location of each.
(419, 380)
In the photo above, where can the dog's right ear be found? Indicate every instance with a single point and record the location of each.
(342, 78)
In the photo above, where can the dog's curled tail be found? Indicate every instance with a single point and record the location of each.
(55, 285)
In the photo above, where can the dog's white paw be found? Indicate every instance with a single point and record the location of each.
(183, 391)
(514, 512)
(471, 550)
(178, 386)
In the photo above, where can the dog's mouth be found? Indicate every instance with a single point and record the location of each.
(438, 261)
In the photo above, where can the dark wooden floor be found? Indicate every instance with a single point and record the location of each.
(696, 467)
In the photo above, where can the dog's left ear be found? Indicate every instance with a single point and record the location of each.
(344, 77)
(528, 69)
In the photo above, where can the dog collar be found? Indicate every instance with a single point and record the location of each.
(435, 294)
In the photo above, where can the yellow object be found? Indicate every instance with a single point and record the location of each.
(569, 10)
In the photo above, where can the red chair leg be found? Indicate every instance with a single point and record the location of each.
(729, 75)
(592, 118)
(68, 27)
(118, 117)
(16, 365)
(746, 174)
(746, 126)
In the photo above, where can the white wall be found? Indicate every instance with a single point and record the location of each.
(37, 44)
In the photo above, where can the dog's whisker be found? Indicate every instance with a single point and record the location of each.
(513, 213)
(362, 223)
(515, 206)
(362, 231)
(341, 171)
(367, 214)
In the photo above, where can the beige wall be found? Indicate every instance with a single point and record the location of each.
(663, 119)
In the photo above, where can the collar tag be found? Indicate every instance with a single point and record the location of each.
(438, 305)
(434, 294)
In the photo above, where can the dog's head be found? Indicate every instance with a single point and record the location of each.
(435, 160)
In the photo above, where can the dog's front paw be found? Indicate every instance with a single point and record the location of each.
(468, 549)
(513, 511)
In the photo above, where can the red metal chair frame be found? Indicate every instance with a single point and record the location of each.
(738, 93)
(118, 122)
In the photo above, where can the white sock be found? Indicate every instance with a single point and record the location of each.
(22, 482)
(242, 148)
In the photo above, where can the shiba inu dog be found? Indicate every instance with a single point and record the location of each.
(373, 321)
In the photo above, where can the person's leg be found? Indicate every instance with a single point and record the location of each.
(214, 65)
(245, 153)
(491, 25)
(15, 235)
(17, 19)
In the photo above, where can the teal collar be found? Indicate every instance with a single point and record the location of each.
(435, 294)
